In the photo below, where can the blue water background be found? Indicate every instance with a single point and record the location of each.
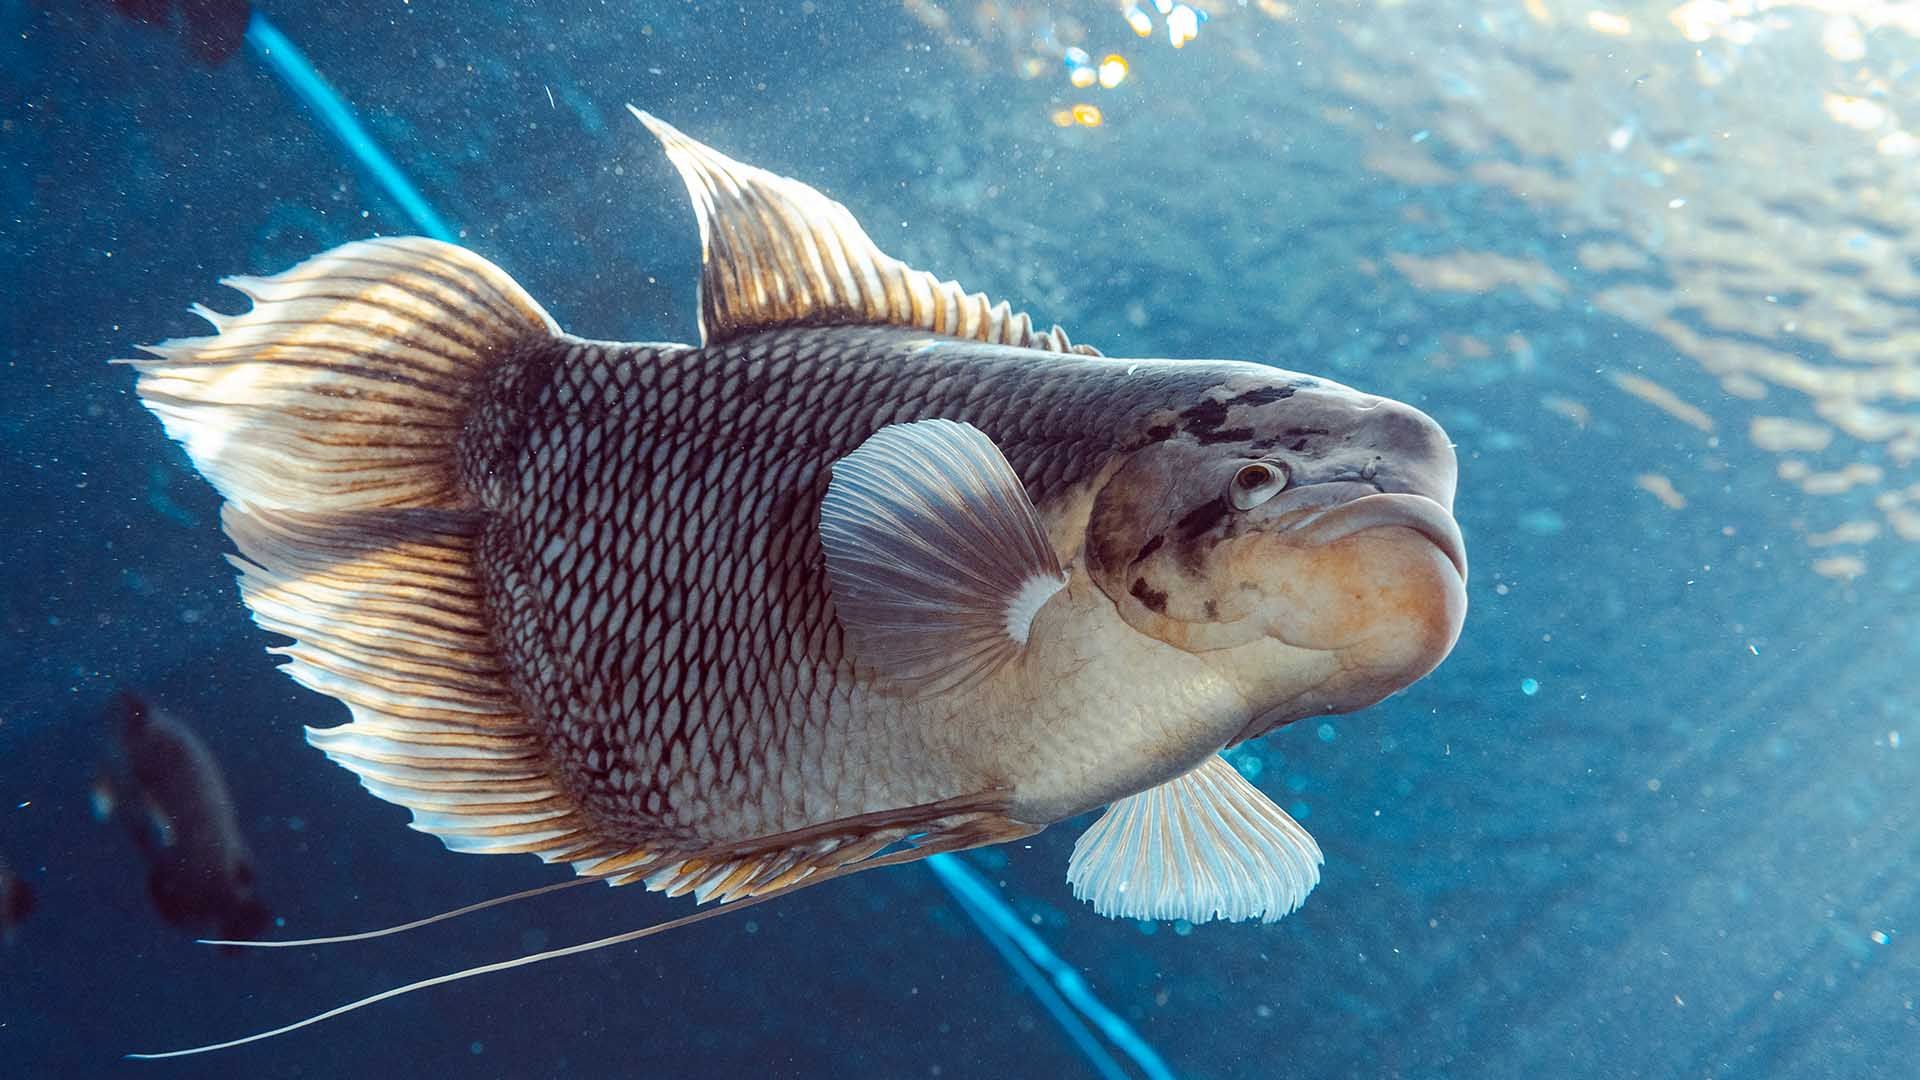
(1646, 821)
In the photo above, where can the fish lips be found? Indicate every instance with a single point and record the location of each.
(1337, 511)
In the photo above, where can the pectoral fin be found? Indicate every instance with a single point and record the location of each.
(936, 559)
(1207, 845)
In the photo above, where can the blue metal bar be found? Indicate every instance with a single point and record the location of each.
(989, 908)
(288, 62)
(1063, 1014)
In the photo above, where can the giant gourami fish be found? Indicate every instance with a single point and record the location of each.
(879, 569)
(164, 783)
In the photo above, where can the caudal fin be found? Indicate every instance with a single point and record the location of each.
(330, 416)
(345, 386)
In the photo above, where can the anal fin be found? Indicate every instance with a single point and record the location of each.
(1206, 845)
(387, 616)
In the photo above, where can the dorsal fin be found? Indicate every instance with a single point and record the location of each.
(775, 252)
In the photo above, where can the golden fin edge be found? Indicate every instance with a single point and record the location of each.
(435, 725)
(776, 252)
(345, 384)
(822, 852)
(437, 728)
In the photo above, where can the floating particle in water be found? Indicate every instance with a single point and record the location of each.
(1840, 567)
(1327, 733)
(1088, 115)
(1183, 25)
(1572, 410)
(1113, 70)
(1880, 937)
(1542, 522)
(1840, 481)
(1851, 532)
(1781, 434)
(1608, 23)
(1063, 118)
(1663, 399)
(1080, 71)
(1478, 272)
(1661, 488)
(1140, 21)
(1529, 686)
(1898, 144)
(1857, 113)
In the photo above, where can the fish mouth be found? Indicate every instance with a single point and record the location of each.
(1383, 510)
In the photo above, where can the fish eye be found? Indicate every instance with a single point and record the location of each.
(1256, 483)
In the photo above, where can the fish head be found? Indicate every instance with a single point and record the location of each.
(1296, 534)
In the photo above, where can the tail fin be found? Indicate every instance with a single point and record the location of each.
(345, 387)
(329, 416)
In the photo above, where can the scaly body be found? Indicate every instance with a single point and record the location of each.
(652, 538)
(879, 561)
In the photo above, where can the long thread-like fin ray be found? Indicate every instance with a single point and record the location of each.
(468, 973)
(369, 935)
(934, 846)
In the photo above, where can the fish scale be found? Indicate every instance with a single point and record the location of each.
(880, 559)
(713, 529)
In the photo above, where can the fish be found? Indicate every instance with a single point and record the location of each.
(877, 570)
(214, 29)
(16, 902)
(168, 790)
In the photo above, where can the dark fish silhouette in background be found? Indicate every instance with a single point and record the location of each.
(16, 902)
(167, 789)
(214, 29)
(881, 569)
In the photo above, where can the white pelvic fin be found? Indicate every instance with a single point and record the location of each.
(936, 559)
(1207, 845)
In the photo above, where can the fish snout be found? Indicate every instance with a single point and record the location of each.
(1412, 454)
(1386, 444)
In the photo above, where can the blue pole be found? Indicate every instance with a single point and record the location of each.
(288, 62)
(989, 909)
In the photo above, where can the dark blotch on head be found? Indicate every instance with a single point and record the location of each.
(1266, 395)
(1160, 432)
(1226, 435)
(1154, 599)
(1204, 417)
(1204, 518)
